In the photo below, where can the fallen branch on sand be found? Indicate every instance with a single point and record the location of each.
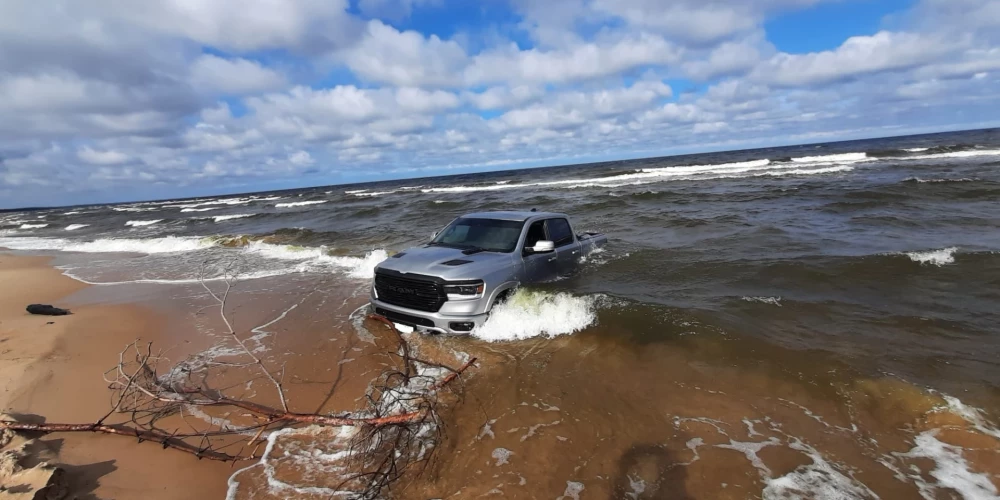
(147, 405)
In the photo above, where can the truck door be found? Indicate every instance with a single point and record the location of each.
(538, 266)
(567, 248)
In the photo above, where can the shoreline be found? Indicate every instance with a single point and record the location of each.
(53, 367)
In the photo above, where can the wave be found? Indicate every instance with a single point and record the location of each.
(227, 201)
(199, 209)
(71, 213)
(934, 181)
(915, 150)
(317, 258)
(530, 314)
(33, 226)
(221, 218)
(299, 203)
(167, 244)
(774, 301)
(956, 154)
(934, 257)
(843, 157)
(134, 209)
(140, 223)
(74, 227)
(355, 191)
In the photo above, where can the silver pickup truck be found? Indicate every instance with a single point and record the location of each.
(450, 284)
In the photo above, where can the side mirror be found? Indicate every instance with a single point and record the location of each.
(543, 246)
(434, 235)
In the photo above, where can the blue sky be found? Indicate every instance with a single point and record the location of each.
(102, 100)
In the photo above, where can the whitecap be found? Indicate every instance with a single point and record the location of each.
(934, 257)
(843, 157)
(168, 244)
(74, 227)
(33, 226)
(299, 203)
(220, 218)
(140, 223)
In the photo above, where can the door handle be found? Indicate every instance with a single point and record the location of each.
(553, 259)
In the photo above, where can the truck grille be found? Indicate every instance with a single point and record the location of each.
(411, 291)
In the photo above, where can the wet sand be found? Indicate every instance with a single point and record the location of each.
(55, 370)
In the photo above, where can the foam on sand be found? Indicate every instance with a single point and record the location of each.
(299, 203)
(819, 480)
(934, 257)
(140, 223)
(531, 314)
(74, 227)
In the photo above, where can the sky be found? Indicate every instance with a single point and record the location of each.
(114, 100)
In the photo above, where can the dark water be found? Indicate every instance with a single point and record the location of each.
(859, 281)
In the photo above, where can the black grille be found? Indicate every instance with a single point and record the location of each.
(405, 319)
(411, 291)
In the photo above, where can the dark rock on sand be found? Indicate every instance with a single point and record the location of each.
(47, 310)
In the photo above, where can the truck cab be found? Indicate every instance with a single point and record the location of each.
(450, 284)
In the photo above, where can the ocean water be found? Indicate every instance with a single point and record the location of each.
(812, 321)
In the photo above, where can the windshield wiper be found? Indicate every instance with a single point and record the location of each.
(472, 250)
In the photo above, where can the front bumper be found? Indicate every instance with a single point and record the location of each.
(427, 322)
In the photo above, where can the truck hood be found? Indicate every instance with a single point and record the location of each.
(430, 261)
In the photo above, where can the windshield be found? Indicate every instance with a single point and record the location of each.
(491, 235)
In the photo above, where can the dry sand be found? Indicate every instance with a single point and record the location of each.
(53, 366)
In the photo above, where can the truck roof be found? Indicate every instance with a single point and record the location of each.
(512, 215)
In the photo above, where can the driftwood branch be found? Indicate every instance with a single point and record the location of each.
(392, 430)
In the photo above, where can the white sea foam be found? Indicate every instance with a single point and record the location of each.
(140, 223)
(33, 226)
(134, 209)
(951, 470)
(71, 213)
(918, 180)
(355, 191)
(199, 209)
(220, 218)
(168, 244)
(74, 227)
(226, 201)
(956, 154)
(317, 258)
(299, 203)
(819, 480)
(530, 314)
(915, 150)
(774, 301)
(934, 257)
(837, 158)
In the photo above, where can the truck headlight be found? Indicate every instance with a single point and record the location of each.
(465, 290)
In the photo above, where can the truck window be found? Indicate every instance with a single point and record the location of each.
(559, 232)
(536, 233)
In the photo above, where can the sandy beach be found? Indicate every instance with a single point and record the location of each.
(53, 366)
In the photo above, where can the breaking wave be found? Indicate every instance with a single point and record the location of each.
(140, 223)
(74, 227)
(530, 314)
(221, 218)
(167, 244)
(316, 258)
(33, 226)
(299, 203)
(934, 257)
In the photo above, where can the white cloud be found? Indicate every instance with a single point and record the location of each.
(405, 58)
(393, 10)
(859, 55)
(502, 97)
(94, 157)
(579, 62)
(233, 76)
